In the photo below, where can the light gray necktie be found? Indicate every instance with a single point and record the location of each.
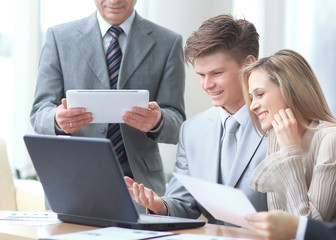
(229, 147)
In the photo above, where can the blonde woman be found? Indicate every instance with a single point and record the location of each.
(287, 104)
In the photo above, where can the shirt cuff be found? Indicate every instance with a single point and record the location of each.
(58, 130)
(158, 128)
(301, 230)
(148, 211)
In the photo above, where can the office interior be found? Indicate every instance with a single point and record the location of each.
(306, 26)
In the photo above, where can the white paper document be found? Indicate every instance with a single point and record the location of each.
(111, 233)
(224, 203)
(198, 237)
(38, 218)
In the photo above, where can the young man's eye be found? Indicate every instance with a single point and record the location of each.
(259, 95)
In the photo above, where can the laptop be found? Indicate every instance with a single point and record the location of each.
(84, 184)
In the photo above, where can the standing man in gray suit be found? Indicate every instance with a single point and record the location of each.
(217, 50)
(74, 57)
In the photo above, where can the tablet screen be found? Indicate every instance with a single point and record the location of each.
(107, 106)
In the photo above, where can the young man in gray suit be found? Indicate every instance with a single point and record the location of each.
(74, 57)
(217, 50)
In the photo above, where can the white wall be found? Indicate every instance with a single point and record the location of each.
(25, 57)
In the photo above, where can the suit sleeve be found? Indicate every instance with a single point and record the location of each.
(179, 201)
(170, 96)
(49, 88)
(320, 230)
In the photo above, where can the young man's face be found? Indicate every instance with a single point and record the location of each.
(115, 11)
(219, 75)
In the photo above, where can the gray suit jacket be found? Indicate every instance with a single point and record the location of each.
(320, 230)
(73, 58)
(198, 156)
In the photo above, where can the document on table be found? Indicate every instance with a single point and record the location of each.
(33, 218)
(224, 203)
(131, 234)
(198, 237)
(111, 233)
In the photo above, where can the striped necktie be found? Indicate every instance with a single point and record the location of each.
(113, 60)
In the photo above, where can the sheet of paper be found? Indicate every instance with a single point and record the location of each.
(224, 203)
(34, 218)
(198, 237)
(111, 233)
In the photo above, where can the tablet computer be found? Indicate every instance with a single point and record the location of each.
(107, 106)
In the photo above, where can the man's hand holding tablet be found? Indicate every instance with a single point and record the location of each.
(108, 106)
(70, 120)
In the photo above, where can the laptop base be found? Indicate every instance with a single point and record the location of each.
(164, 226)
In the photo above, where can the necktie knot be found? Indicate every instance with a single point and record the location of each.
(113, 56)
(231, 125)
(115, 31)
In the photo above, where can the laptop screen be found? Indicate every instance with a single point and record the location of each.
(84, 184)
(81, 177)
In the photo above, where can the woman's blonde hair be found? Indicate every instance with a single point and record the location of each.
(298, 85)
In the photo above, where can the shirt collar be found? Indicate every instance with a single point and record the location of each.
(126, 25)
(242, 115)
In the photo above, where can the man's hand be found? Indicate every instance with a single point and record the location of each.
(70, 120)
(146, 197)
(144, 119)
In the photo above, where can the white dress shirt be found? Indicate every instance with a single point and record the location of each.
(126, 27)
(301, 230)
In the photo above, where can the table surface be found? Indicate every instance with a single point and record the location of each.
(15, 231)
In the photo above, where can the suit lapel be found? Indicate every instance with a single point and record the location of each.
(90, 44)
(139, 43)
(244, 155)
(211, 141)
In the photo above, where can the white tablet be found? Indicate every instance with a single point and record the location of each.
(107, 106)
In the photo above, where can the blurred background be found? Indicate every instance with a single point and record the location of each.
(306, 26)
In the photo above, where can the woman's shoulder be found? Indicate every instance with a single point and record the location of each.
(325, 131)
(325, 127)
(324, 141)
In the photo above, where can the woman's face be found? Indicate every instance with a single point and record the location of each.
(266, 98)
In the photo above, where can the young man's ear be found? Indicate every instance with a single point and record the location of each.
(250, 59)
